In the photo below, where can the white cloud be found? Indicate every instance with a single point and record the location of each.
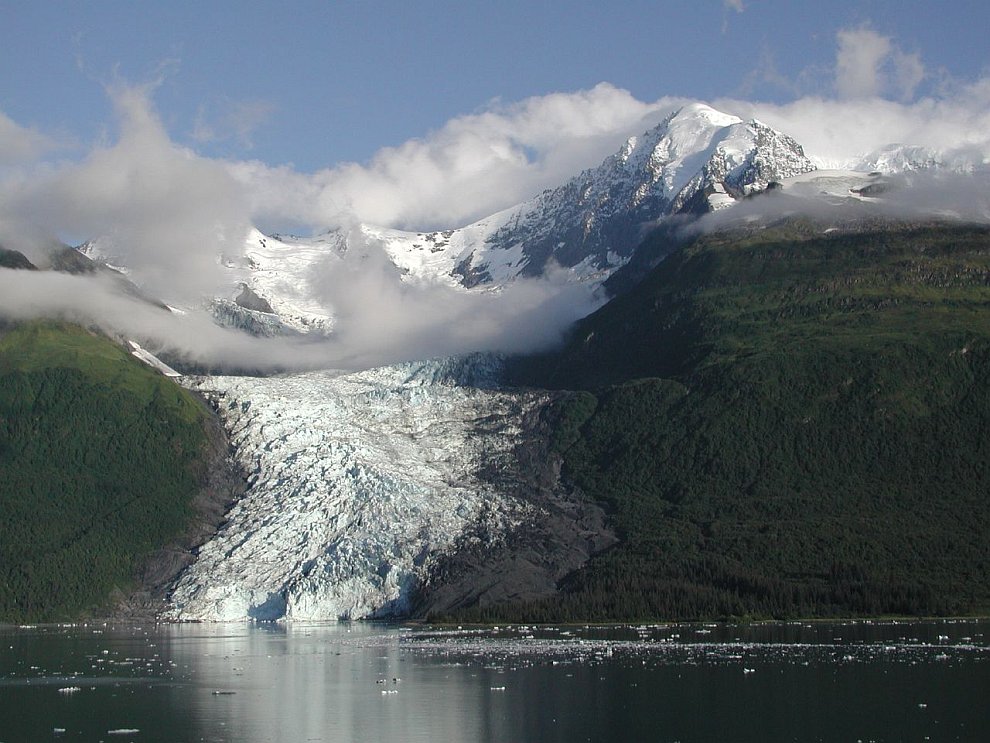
(857, 63)
(877, 105)
(165, 211)
(869, 65)
(20, 144)
(838, 133)
(380, 318)
(909, 71)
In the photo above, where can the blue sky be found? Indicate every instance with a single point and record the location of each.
(315, 83)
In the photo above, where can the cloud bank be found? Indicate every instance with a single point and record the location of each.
(876, 105)
(381, 319)
(473, 166)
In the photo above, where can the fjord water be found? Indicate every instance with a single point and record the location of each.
(357, 682)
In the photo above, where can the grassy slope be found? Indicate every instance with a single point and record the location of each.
(99, 456)
(786, 423)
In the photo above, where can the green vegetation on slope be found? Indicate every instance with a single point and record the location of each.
(99, 455)
(785, 423)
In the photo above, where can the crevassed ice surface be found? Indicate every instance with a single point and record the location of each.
(357, 482)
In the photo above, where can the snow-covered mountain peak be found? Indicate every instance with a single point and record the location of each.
(663, 151)
(687, 131)
(696, 159)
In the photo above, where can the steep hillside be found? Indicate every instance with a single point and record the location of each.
(102, 458)
(786, 422)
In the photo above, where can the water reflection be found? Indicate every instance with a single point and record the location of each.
(298, 683)
(295, 683)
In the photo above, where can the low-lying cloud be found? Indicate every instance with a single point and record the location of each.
(380, 320)
(98, 301)
(925, 195)
(379, 315)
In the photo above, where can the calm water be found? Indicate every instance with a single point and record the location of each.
(359, 682)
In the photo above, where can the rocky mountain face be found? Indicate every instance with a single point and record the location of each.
(696, 160)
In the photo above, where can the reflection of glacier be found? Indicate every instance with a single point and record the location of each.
(302, 682)
(357, 482)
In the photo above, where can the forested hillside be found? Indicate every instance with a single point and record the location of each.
(785, 422)
(101, 458)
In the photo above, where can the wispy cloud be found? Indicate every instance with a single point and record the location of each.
(19, 144)
(727, 7)
(165, 211)
(869, 64)
(231, 120)
(766, 74)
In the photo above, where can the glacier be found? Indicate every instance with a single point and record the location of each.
(357, 483)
